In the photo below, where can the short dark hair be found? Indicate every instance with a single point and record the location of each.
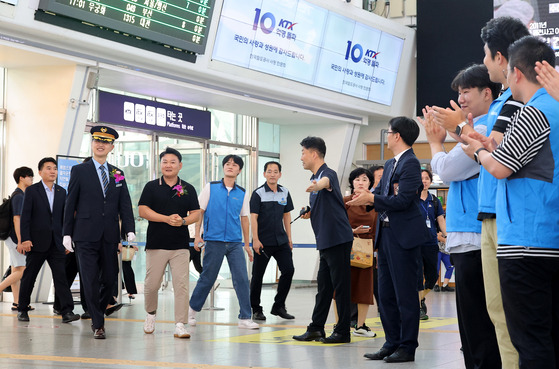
(357, 173)
(500, 33)
(43, 161)
(374, 168)
(270, 163)
(315, 143)
(22, 172)
(236, 158)
(170, 150)
(406, 127)
(524, 53)
(428, 173)
(475, 76)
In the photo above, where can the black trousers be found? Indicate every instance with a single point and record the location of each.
(333, 275)
(477, 333)
(195, 258)
(35, 260)
(397, 283)
(72, 269)
(530, 290)
(99, 270)
(284, 258)
(129, 277)
(428, 267)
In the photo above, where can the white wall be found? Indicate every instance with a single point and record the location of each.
(36, 103)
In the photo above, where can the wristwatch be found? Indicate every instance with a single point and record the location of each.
(183, 221)
(476, 154)
(459, 127)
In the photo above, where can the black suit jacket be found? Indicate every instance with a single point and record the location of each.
(39, 224)
(89, 215)
(402, 207)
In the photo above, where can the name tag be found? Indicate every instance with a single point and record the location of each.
(119, 185)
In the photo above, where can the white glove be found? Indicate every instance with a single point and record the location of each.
(67, 242)
(131, 236)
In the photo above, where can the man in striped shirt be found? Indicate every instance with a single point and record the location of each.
(527, 196)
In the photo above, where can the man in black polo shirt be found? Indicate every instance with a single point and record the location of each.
(270, 205)
(170, 205)
(334, 237)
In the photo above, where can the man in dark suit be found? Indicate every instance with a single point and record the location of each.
(41, 240)
(97, 198)
(401, 230)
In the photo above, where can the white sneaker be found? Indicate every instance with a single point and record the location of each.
(181, 331)
(248, 324)
(364, 331)
(149, 324)
(191, 317)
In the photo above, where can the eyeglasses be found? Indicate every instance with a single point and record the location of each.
(389, 132)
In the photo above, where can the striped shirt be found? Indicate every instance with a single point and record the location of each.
(510, 107)
(523, 139)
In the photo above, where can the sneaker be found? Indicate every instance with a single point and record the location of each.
(191, 317)
(447, 288)
(180, 331)
(364, 331)
(248, 324)
(423, 306)
(149, 324)
(423, 315)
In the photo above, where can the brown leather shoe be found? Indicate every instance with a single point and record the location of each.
(99, 333)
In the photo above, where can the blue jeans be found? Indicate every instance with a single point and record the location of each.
(213, 258)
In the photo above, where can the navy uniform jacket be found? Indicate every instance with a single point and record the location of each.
(89, 215)
(38, 224)
(402, 208)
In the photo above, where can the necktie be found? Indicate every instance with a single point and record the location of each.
(386, 188)
(105, 179)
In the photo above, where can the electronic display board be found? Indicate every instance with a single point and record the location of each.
(182, 24)
(298, 40)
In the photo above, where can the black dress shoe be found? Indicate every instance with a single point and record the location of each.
(86, 315)
(310, 336)
(399, 356)
(380, 354)
(56, 312)
(258, 315)
(70, 317)
(99, 333)
(282, 313)
(336, 338)
(22, 316)
(113, 309)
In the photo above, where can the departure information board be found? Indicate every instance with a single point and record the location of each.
(180, 23)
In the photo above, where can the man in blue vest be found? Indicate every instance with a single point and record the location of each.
(224, 207)
(525, 163)
(497, 35)
(475, 94)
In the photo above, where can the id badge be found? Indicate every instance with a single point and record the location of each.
(428, 222)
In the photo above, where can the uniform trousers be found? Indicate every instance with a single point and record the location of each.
(477, 333)
(284, 258)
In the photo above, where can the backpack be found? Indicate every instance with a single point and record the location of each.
(6, 218)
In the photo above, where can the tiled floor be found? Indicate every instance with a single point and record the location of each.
(216, 341)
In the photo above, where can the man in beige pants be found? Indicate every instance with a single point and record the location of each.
(170, 205)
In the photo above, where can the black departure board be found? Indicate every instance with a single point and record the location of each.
(182, 24)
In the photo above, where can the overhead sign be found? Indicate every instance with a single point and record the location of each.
(303, 42)
(152, 115)
(180, 23)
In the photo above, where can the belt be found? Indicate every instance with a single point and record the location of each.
(384, 224)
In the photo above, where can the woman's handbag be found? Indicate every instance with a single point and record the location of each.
(128, 253)
(362, 253)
